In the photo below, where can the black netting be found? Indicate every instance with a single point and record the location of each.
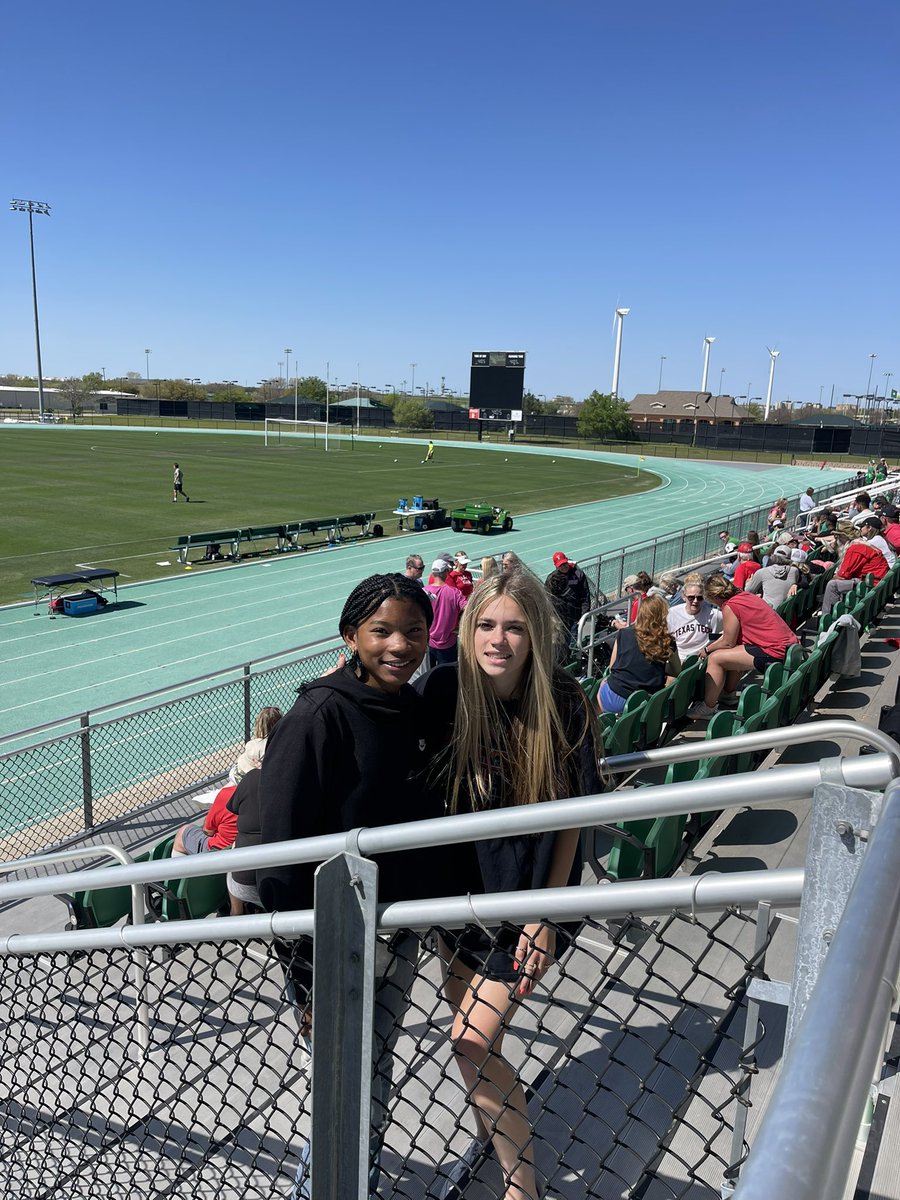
(628, 1055)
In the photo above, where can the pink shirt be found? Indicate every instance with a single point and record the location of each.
(448, 604)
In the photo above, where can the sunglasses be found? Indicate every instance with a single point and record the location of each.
(693, 598)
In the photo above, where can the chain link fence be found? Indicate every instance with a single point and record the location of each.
(85, 779)
(631, 1058)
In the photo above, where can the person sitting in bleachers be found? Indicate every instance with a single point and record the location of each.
(695, 622)
(860, 559)
(776, 581)
(872, 530)
(753, 636)
(250, 758)
(644, 657)
(216, 832)
(747, 564)
(635, 589)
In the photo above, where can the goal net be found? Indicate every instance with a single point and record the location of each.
(280, 432)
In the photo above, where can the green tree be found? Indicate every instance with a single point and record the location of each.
(311, 387)
(603, 416)
(531, 405)
(93, 381)
(75, 393)
(413, 414)
(754, 411)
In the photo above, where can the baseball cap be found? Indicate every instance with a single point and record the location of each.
(781, 554)
(798, 555)
(440, 566)
(462, 557)
(745, 548)
(890, 510)
(778, 523)
(786, 537)
(559, 558)
(730, 547)
(875, 522)
(628, 581)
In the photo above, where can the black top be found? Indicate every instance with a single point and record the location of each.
(520, 861)
(245, 803)
(82, 575)
(631, 671)
(575, 601)
(341, 759)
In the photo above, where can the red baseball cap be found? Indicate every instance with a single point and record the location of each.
(559, 558)
(745, 548)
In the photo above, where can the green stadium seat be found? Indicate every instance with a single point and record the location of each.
(658, 849)
(653, 718)
(635, 701)
(625, 734)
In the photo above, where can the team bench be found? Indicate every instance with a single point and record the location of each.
(219, 537)
(290, 535)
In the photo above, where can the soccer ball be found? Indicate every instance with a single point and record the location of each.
(396, 460)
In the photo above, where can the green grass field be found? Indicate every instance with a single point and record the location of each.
(104, 497)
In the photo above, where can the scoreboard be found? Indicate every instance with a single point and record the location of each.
(497, 384)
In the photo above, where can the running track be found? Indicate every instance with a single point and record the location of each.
(190, 625)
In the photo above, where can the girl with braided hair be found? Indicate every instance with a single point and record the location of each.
(342, 758)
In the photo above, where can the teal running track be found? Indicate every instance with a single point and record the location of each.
(169, 631)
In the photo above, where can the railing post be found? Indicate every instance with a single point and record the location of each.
(343, 1004)
(87, 796)
(840, 824)
(245, 685)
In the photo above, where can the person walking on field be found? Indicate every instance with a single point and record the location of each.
(429, 453)
(178, 485)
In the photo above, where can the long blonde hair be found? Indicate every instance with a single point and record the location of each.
(651, 629)
(526, 752)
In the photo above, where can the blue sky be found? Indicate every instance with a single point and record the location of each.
(407, 182)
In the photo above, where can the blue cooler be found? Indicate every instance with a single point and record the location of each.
(79, 606)
(417, 502)
(402, 504)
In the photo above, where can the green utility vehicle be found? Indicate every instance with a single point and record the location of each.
(480, 518)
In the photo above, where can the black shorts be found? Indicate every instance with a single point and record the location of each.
(492, 955)
(761, 660)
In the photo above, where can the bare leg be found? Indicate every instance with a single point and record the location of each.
(482, 1008)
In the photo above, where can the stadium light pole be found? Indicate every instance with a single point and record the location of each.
(621, 314)
(773, 354)
(872, 358)
(287, 367)
(707, 344)
(662, 359)
(357, 399)
(43, 210)
(412, 386)
(296, 390)
(147, 354)
(721, 377)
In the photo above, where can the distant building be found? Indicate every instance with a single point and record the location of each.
(674, 410)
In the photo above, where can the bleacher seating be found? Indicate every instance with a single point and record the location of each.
(289, 535)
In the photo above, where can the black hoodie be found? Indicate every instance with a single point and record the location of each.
(340, 759)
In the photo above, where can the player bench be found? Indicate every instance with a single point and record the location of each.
(219, 537)
(268, 533)
(362, 520)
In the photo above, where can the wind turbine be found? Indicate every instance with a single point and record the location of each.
(773, 354)
(707, 343)
(621, 314)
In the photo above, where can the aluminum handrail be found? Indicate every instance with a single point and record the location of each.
(708, 892)
(725, 792)
(814, 731)
(138, 909)
(804, 1146)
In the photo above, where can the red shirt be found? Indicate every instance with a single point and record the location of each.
(222, 824)
(463, 582)
(861, 559)
(761, 625)
(743, 571)
(892, 534)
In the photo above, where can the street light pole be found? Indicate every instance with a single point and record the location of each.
(43, 210)
(707, 343)
(621, 314)
(287, 367)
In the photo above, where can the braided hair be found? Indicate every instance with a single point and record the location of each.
(369, 596)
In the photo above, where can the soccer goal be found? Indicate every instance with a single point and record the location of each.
(322, 435)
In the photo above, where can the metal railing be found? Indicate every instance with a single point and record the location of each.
(635, 1054)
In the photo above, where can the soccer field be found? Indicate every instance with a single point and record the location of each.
(94, 496)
